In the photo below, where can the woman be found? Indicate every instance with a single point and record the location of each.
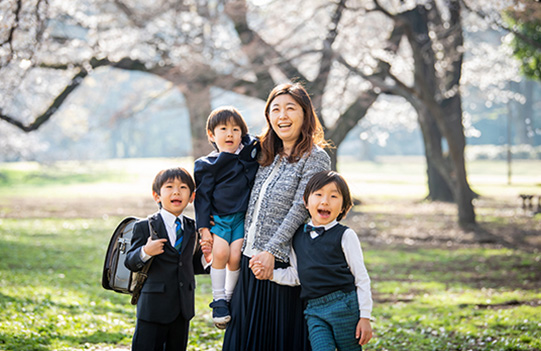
(265, 315)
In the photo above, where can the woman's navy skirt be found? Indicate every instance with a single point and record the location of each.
(265, 316)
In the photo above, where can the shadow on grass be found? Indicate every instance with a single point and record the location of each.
(473, 268)
(23, 343)
(436, 225)
(56, 266)
(98, 337)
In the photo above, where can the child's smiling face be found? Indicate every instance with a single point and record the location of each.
(325, 204)
(227, 137)
(174, 196)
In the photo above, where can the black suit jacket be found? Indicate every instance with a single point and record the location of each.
(169, 288)
(224, 181)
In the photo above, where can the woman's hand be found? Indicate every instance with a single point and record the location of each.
(265, 265)
(257, 269)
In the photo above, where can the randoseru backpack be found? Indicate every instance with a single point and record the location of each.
(116, 276)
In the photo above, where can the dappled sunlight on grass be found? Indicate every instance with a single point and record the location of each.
(434, 286)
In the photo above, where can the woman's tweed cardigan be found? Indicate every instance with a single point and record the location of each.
(282, 209)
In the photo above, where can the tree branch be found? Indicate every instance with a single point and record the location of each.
(256, 49)
(9, 39)
(77, 79)
(14, 26)
(75, 82)
(502, 25)
(141, 106)
(327, 57)
(352, 116)
(381, 9)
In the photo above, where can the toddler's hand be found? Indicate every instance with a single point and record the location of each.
(154, 247)
(364, 331)
(206, 236)
(206, 247)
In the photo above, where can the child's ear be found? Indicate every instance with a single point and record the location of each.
(305, 204)
(210, 135)
(156, 197)
(192, 197)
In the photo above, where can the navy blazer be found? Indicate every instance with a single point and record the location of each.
(169, 288)
(224, 181)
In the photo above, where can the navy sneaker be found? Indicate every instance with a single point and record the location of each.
(220, 313)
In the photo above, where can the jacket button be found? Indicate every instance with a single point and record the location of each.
(180, 264)
(181, 284)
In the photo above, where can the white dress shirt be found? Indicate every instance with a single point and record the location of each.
(351, 247)
(171, 227)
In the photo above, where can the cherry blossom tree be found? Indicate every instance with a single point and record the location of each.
(348, 54)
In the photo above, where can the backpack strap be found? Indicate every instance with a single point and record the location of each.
(143, 273)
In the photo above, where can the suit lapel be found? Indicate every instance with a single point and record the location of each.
(188, 226)
(158, 225)
(189, 231)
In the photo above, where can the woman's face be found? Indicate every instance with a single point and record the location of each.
(286, 118)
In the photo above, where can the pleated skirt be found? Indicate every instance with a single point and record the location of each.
(265, 316)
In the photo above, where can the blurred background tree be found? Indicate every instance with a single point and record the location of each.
(524, 17)
(98, 79)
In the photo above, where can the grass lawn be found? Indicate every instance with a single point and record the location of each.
(434, 286)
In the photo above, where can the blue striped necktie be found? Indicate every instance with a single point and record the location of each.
(178, 242)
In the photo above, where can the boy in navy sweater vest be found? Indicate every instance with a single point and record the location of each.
(224, 179)
(327, 261)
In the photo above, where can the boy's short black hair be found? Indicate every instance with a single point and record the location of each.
(170, 174)
(320, 179)
(224, 114)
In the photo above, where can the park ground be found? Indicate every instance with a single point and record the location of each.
(436, 286)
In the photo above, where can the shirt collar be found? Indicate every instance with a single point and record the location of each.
(169, 218)
(215, 153)
(327, 226)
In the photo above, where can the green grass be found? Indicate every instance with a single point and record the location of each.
(467, 297)
(50, 289)
(433, 299)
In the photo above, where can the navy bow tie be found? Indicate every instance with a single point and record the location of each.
(319, 230)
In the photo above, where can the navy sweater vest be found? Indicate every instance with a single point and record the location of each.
(322, 266)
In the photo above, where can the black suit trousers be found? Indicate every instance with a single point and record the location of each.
(151, 336)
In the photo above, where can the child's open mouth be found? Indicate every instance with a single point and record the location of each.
(324, 213)
(176, 202)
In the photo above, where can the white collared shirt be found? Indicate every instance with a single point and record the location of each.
(171, 227)
(351, 247)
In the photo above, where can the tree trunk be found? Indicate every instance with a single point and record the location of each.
(439, 186)
(438, 189)
(348, 121)
(432, 107)
(456, 140)
(198, 101)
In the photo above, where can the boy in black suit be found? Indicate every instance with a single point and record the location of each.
(166, 304)
(224, 179)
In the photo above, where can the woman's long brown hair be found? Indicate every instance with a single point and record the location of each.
(311, 130)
